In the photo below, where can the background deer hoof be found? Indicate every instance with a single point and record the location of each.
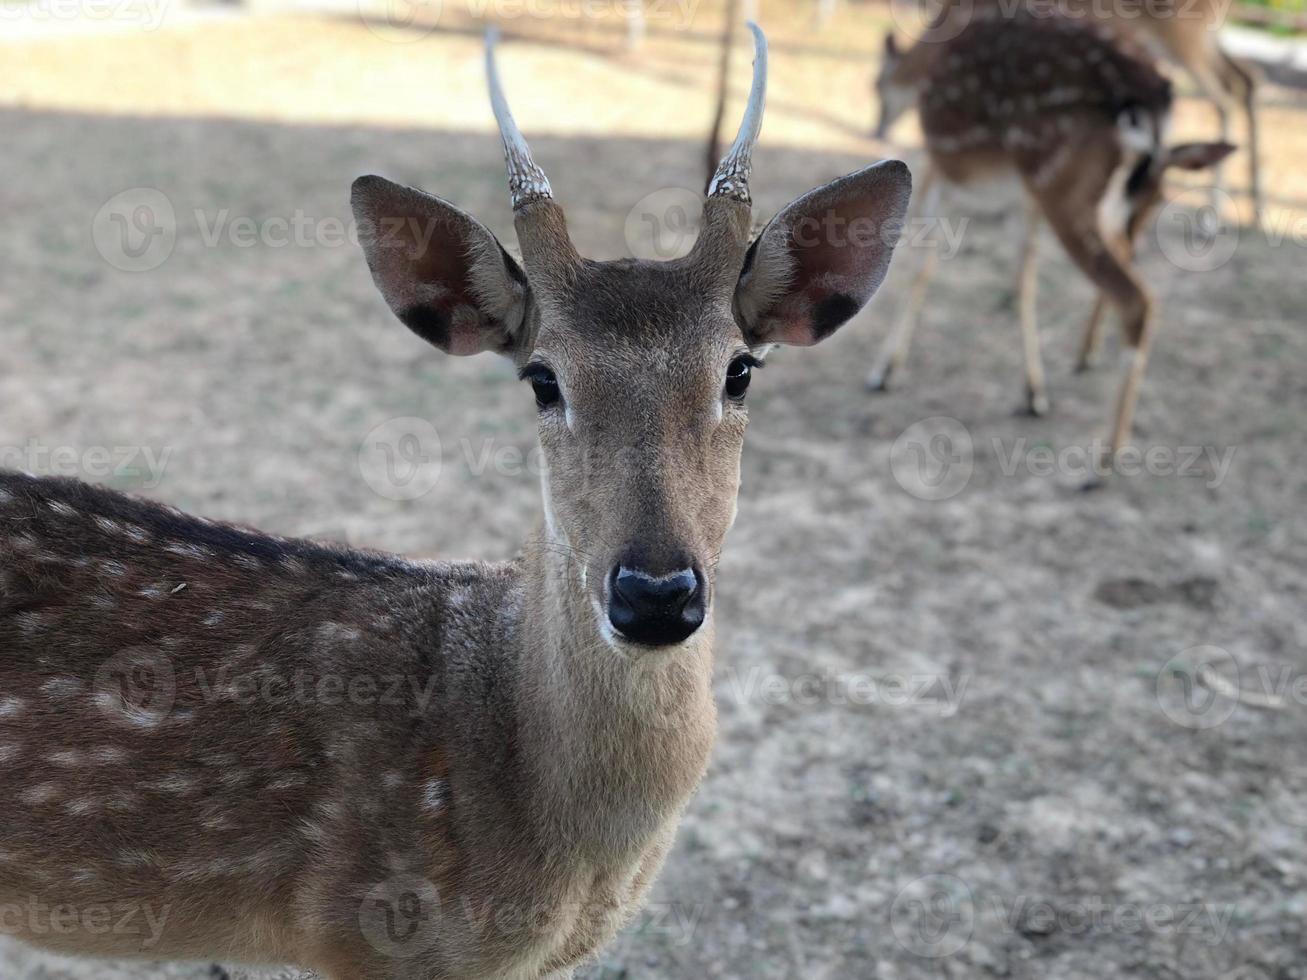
(1037, 405)
(878, 380)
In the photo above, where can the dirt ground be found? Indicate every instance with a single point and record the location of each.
(963, 729)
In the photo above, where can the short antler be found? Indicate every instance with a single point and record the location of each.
(732, 177)
(727, 212)
(547, 251)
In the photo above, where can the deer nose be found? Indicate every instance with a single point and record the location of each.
(656, 610)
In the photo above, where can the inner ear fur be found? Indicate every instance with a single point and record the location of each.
(440, 270)
(820, 260)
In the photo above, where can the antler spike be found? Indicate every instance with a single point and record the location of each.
(527, 183)
(732, 177)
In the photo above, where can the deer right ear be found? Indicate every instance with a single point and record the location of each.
(440, 270)
(820, 260)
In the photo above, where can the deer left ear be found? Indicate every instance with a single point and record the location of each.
(1197, 156)
(820, 260)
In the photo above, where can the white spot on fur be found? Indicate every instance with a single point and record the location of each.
(284, 783)
(214, 618)
(82, 807)
(61, 508)
(11, 707)
(114, 568)
(108, 526)
(435, 795)
(9, 752)
(39, 794)
(178, 784)
(66, 758)
(62, 687)
(107, 755)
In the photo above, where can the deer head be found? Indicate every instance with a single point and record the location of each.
(639, 369)
(895, 93)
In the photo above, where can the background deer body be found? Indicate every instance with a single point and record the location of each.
(1079, 119)
(394, 770)
(1184, 32)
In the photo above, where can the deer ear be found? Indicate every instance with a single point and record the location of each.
(440, 270)
(820, 260)
(1197, 156)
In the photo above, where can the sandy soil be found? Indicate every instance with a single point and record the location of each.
(954, 741)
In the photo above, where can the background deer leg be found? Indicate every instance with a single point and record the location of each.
(1242, 84)
(1027, 292)
(894, 351)
(1092, 338)
(1107, 266)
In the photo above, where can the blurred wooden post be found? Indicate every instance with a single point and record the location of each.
(634, 24)
(723, 89)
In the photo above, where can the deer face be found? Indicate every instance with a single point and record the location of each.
(639, 371)
(894, 95)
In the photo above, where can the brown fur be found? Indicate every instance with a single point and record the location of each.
(503, 777)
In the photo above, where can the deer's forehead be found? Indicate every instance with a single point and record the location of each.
(632, 320)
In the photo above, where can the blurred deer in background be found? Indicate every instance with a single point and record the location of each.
(1184, 32)
(498, 797)
(1078, 122)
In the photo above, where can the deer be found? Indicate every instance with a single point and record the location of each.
(477, 769)
(1075, 118)
(1184, 32)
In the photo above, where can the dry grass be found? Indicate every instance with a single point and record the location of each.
(1059, 779)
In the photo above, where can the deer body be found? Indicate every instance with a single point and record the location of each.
(313, 724)
(1078, 117)
(1185, 33)
(395, 770)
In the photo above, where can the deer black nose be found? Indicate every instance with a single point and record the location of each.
(656, 610)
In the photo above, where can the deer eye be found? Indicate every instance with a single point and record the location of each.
(543, 383)
(737, 377)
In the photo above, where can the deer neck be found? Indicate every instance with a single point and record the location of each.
(616, 737)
